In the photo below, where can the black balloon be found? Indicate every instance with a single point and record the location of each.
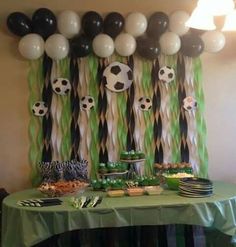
(191, 45)
(148, 48)
(113, 24)
(44, 22)
(19, 24)
(80, 46)
(92, 24)
(157, 24)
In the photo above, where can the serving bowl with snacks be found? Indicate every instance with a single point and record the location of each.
(172, 180)
(62, 188)
(135, 191)
(115, 193)
(153, 190)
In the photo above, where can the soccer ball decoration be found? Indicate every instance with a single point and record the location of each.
(189, 103)
(166, 74)
(117, 77)
(87, 103)
(39, 108)
(61, 86)
(145, 103)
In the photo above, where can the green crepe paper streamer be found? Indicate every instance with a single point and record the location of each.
(200, 122)
(146, 87)
(65, 120)
(93, 119)
(35, 125)
(121, 125)
(40, 79)
(121, 111)
(174, 114)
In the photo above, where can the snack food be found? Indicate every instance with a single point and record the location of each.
(115, 193)
(153, 190)
(61, 188)
(135, 191)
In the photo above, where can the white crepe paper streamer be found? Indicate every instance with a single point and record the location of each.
(165, 114)
(84, 115)
(139, 130)
(111, 119)
(84, 62)
(111, 139)
(189, 78)
(190, 115)
(114, 126)
(56, 109)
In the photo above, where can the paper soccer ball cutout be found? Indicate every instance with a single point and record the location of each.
(189, 103)
(145, 103)
(117, 77)
(87, 103)
(39, 108)
(61, 86)
(166, 74)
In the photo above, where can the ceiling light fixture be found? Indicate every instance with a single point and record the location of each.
(203, 15)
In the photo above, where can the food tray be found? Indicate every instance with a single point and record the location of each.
(62, 188)
(135, 191)
(153, 190)
(115, 193)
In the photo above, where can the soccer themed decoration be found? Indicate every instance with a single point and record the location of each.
(117, 77)
(103, 85)
(39, 108)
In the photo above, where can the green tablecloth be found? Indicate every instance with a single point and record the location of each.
(25, 226)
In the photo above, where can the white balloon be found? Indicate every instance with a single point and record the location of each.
(103, 45)
(214, 41)
(68, 23)
(170, 43)
(125, 44)
(57, 46)
(177, 22)
(31, 46)
(136, 24)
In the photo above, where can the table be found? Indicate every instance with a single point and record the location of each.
(33, 225)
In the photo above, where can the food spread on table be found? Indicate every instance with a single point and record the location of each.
(115, 183)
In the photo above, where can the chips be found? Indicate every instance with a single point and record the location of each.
(61, 188)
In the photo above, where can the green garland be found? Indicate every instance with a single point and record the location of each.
(35, 83)
(174, 114)
(148, 135)
(65, 120)
(93, 91)
(200, 121)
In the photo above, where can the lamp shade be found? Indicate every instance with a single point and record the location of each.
(216, 7)
(201, 19)
(230, 22)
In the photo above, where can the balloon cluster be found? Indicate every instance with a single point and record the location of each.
(66, 33)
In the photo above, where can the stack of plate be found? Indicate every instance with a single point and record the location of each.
(195, 187)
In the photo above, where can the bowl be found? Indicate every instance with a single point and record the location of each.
(115, 193)
(62, 188)
(136, 191)
(172, 183)
(172, 180)
(153, 190)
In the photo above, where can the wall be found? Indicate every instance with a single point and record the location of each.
(218, 75)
